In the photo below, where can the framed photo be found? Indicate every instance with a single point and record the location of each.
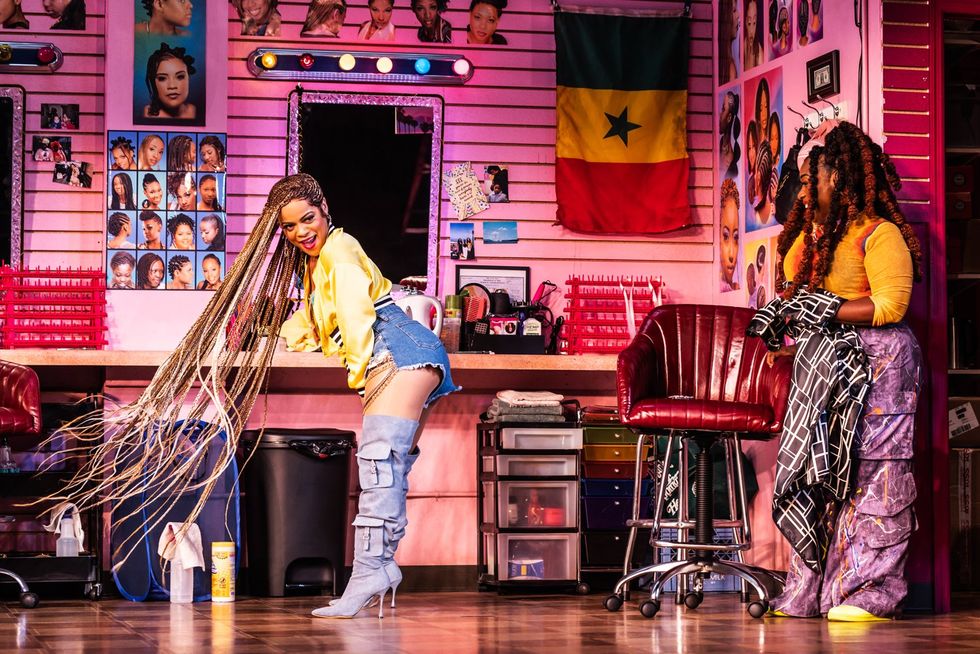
(516, 280)
(823, 76)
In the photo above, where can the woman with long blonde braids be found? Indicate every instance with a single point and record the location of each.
(396, 364)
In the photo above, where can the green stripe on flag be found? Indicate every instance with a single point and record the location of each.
(627, 53)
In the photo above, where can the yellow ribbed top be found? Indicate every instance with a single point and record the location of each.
(872, 260)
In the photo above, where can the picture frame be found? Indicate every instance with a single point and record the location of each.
(516, 280)
(823, 76)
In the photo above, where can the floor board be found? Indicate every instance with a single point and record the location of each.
(462, 623)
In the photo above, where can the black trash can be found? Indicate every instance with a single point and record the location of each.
(296, 489)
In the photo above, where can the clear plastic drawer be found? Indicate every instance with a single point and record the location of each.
(541, 438)
(537, 557)
(538, 504)
(536, 465)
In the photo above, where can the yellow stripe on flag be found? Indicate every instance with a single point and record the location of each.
(583, 125)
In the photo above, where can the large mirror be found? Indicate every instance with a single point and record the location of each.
(378, 159)
(11, 173)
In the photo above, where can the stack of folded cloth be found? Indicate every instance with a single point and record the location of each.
(526, 406)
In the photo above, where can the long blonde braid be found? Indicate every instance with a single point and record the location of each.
(138, 450)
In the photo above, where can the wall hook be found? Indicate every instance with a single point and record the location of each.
(806, 121)
(820, 115)
(832, 105)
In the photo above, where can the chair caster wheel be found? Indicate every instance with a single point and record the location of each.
(93, 592)
(583, 588)
(28, 600)
(649, 608)
(758, 609)
(613, 603)
(693, 600)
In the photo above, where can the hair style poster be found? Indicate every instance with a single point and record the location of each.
(781, 33)
(729, 38)
(165, 214)
(169, 56)
(759, 271)
(730, 195)
(809, 21)
(764, 145)
(753, 48)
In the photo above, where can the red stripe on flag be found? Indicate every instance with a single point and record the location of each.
(618, 198)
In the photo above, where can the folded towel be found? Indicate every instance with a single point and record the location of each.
(501, 407)
(530, 398)
(526, 417)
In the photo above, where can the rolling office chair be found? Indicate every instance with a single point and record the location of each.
(691, 371)
(20, 425)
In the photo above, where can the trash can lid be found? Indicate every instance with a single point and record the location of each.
(272, 435)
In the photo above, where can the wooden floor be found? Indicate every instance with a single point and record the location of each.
(451, 623)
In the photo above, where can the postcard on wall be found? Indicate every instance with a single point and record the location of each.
(504, 231)
(463, 189)
(59, 116)
(462, 241)
(495, 182)
(51, 148)
(169, 55)
(73, 173)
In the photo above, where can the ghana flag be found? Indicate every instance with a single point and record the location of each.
(621, 149)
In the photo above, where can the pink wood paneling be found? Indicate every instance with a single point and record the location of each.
(912, 58)
(505, 114)
(64, 225)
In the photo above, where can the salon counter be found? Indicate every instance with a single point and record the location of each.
(88, 370)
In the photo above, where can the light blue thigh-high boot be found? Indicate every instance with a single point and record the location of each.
(391, 544)
(382, 461)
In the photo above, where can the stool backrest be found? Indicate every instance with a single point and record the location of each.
(705, 353)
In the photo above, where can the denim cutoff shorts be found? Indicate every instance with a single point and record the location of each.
(412, 346)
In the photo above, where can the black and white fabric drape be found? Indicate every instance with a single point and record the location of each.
(830, 383)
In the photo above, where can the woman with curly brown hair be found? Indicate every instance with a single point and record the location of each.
(847, 236)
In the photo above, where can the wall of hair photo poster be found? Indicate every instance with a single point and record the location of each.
(165, 211)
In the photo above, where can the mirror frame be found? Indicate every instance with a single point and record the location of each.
(301, 96)
(17, 94)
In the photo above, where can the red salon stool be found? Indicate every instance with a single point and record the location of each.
(20, 425)
(692, 372)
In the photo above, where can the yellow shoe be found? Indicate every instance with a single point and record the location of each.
(847, 613)
(776, 613)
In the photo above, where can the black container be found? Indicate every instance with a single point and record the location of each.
(296, 489)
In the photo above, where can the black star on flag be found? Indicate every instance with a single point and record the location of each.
(620, 126)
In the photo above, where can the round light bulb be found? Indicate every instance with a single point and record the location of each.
(306, 61)
(347, 62)
(46, 55)
(422, 66)
(461, 67)
(384, 65)
(269, 60)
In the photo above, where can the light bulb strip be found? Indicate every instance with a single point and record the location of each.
(326, 67)
(23, 56)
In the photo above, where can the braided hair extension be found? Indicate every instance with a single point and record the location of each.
(177, 153)
(865, 186)
(141, 451)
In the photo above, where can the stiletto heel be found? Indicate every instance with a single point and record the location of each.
(394, 589)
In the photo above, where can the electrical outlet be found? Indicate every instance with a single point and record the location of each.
(827, 112)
